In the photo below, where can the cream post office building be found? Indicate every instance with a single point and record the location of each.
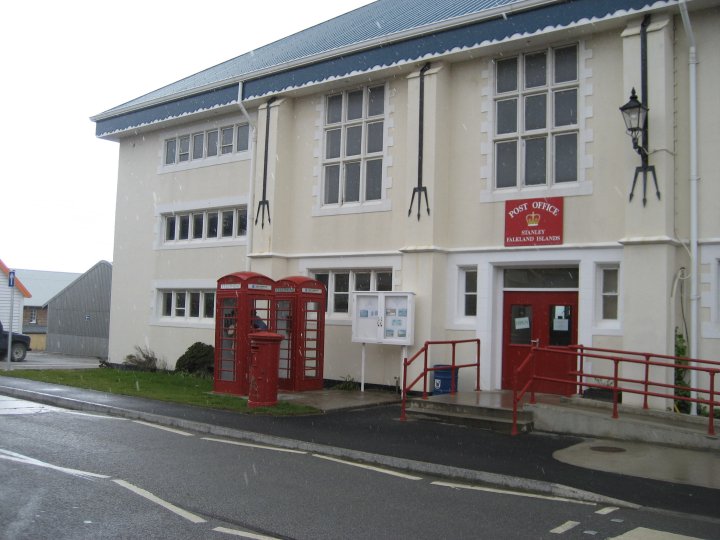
(472, 153)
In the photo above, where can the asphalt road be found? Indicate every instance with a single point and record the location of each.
(66, 474)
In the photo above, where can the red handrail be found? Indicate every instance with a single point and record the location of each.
(453, 366)
(619, 384)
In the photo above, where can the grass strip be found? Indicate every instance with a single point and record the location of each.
(162, 386)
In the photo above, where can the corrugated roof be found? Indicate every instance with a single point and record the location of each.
(381, 19)
(44, 285)
(378, 36)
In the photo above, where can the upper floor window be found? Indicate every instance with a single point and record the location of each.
(205, 144)
(536, 119)
(202, 225)
(353, 146)
(341, 284)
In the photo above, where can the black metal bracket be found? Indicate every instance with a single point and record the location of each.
(642, 148)
(419, 190)
(264, 203)
(645, 169)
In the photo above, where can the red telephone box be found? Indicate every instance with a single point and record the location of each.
(300, 318)
(244, 304)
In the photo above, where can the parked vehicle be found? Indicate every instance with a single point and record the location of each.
(20, 345)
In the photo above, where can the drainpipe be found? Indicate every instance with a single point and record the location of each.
(251, 191)
(694, 181)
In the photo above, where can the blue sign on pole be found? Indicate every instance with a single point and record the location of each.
(11, 279)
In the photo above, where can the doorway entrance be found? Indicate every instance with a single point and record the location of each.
(548, 318)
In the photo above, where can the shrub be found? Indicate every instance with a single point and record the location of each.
(199, 359)
(144, 359)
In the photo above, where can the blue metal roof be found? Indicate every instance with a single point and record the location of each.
(278, 66)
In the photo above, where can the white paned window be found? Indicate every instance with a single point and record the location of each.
(353, 145)
(187, 304)
(536, 119)
(205, 225)
(207, 144)
(342, 283)
(610, 293)
(468, 283)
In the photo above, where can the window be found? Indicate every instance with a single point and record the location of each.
(342, 283)
(469, 294)
(184, 154)
(187, 305)
(33, 316)
(353, 146)
(210, 143)
(536, 119)
(203, 225)
(609, 293)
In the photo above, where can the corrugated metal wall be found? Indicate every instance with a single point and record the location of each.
(79, 316)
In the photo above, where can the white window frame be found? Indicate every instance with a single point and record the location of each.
(226, 151)
(362, 205)
(240, 214)
(600, 322)
(182, 313)
(463, 294)
(582, 186)
(352, 274)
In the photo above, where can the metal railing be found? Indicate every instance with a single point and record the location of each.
(647, 386)
(453, 366)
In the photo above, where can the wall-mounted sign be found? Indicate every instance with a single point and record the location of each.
(534, 222)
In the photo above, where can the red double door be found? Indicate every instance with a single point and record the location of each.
(548, 318)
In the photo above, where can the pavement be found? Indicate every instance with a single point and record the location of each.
(366, 427)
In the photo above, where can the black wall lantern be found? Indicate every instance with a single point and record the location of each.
(635, 114)
(636, 120)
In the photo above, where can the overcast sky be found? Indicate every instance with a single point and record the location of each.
(67, 61)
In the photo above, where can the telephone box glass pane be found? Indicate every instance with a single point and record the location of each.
(520, 324)
(260, 315)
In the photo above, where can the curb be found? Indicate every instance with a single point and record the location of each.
(408, 465)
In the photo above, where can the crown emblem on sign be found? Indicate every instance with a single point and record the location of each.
(533, 220)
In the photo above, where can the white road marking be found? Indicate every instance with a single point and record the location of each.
(244, 534)
(164, 428)
(565, 527)
(641, 533)
(369, 467)
(607, 510)
(251, 445)
(152, 498)
(508, 492)
(13, 456)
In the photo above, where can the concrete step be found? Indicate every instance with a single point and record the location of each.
(489, 418)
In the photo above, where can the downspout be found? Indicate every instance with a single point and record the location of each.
(694, 181)
(251, 190)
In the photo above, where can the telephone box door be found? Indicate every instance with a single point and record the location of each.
(311, 346)
(300, 319)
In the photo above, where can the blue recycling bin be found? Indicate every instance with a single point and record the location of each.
(441, 379)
